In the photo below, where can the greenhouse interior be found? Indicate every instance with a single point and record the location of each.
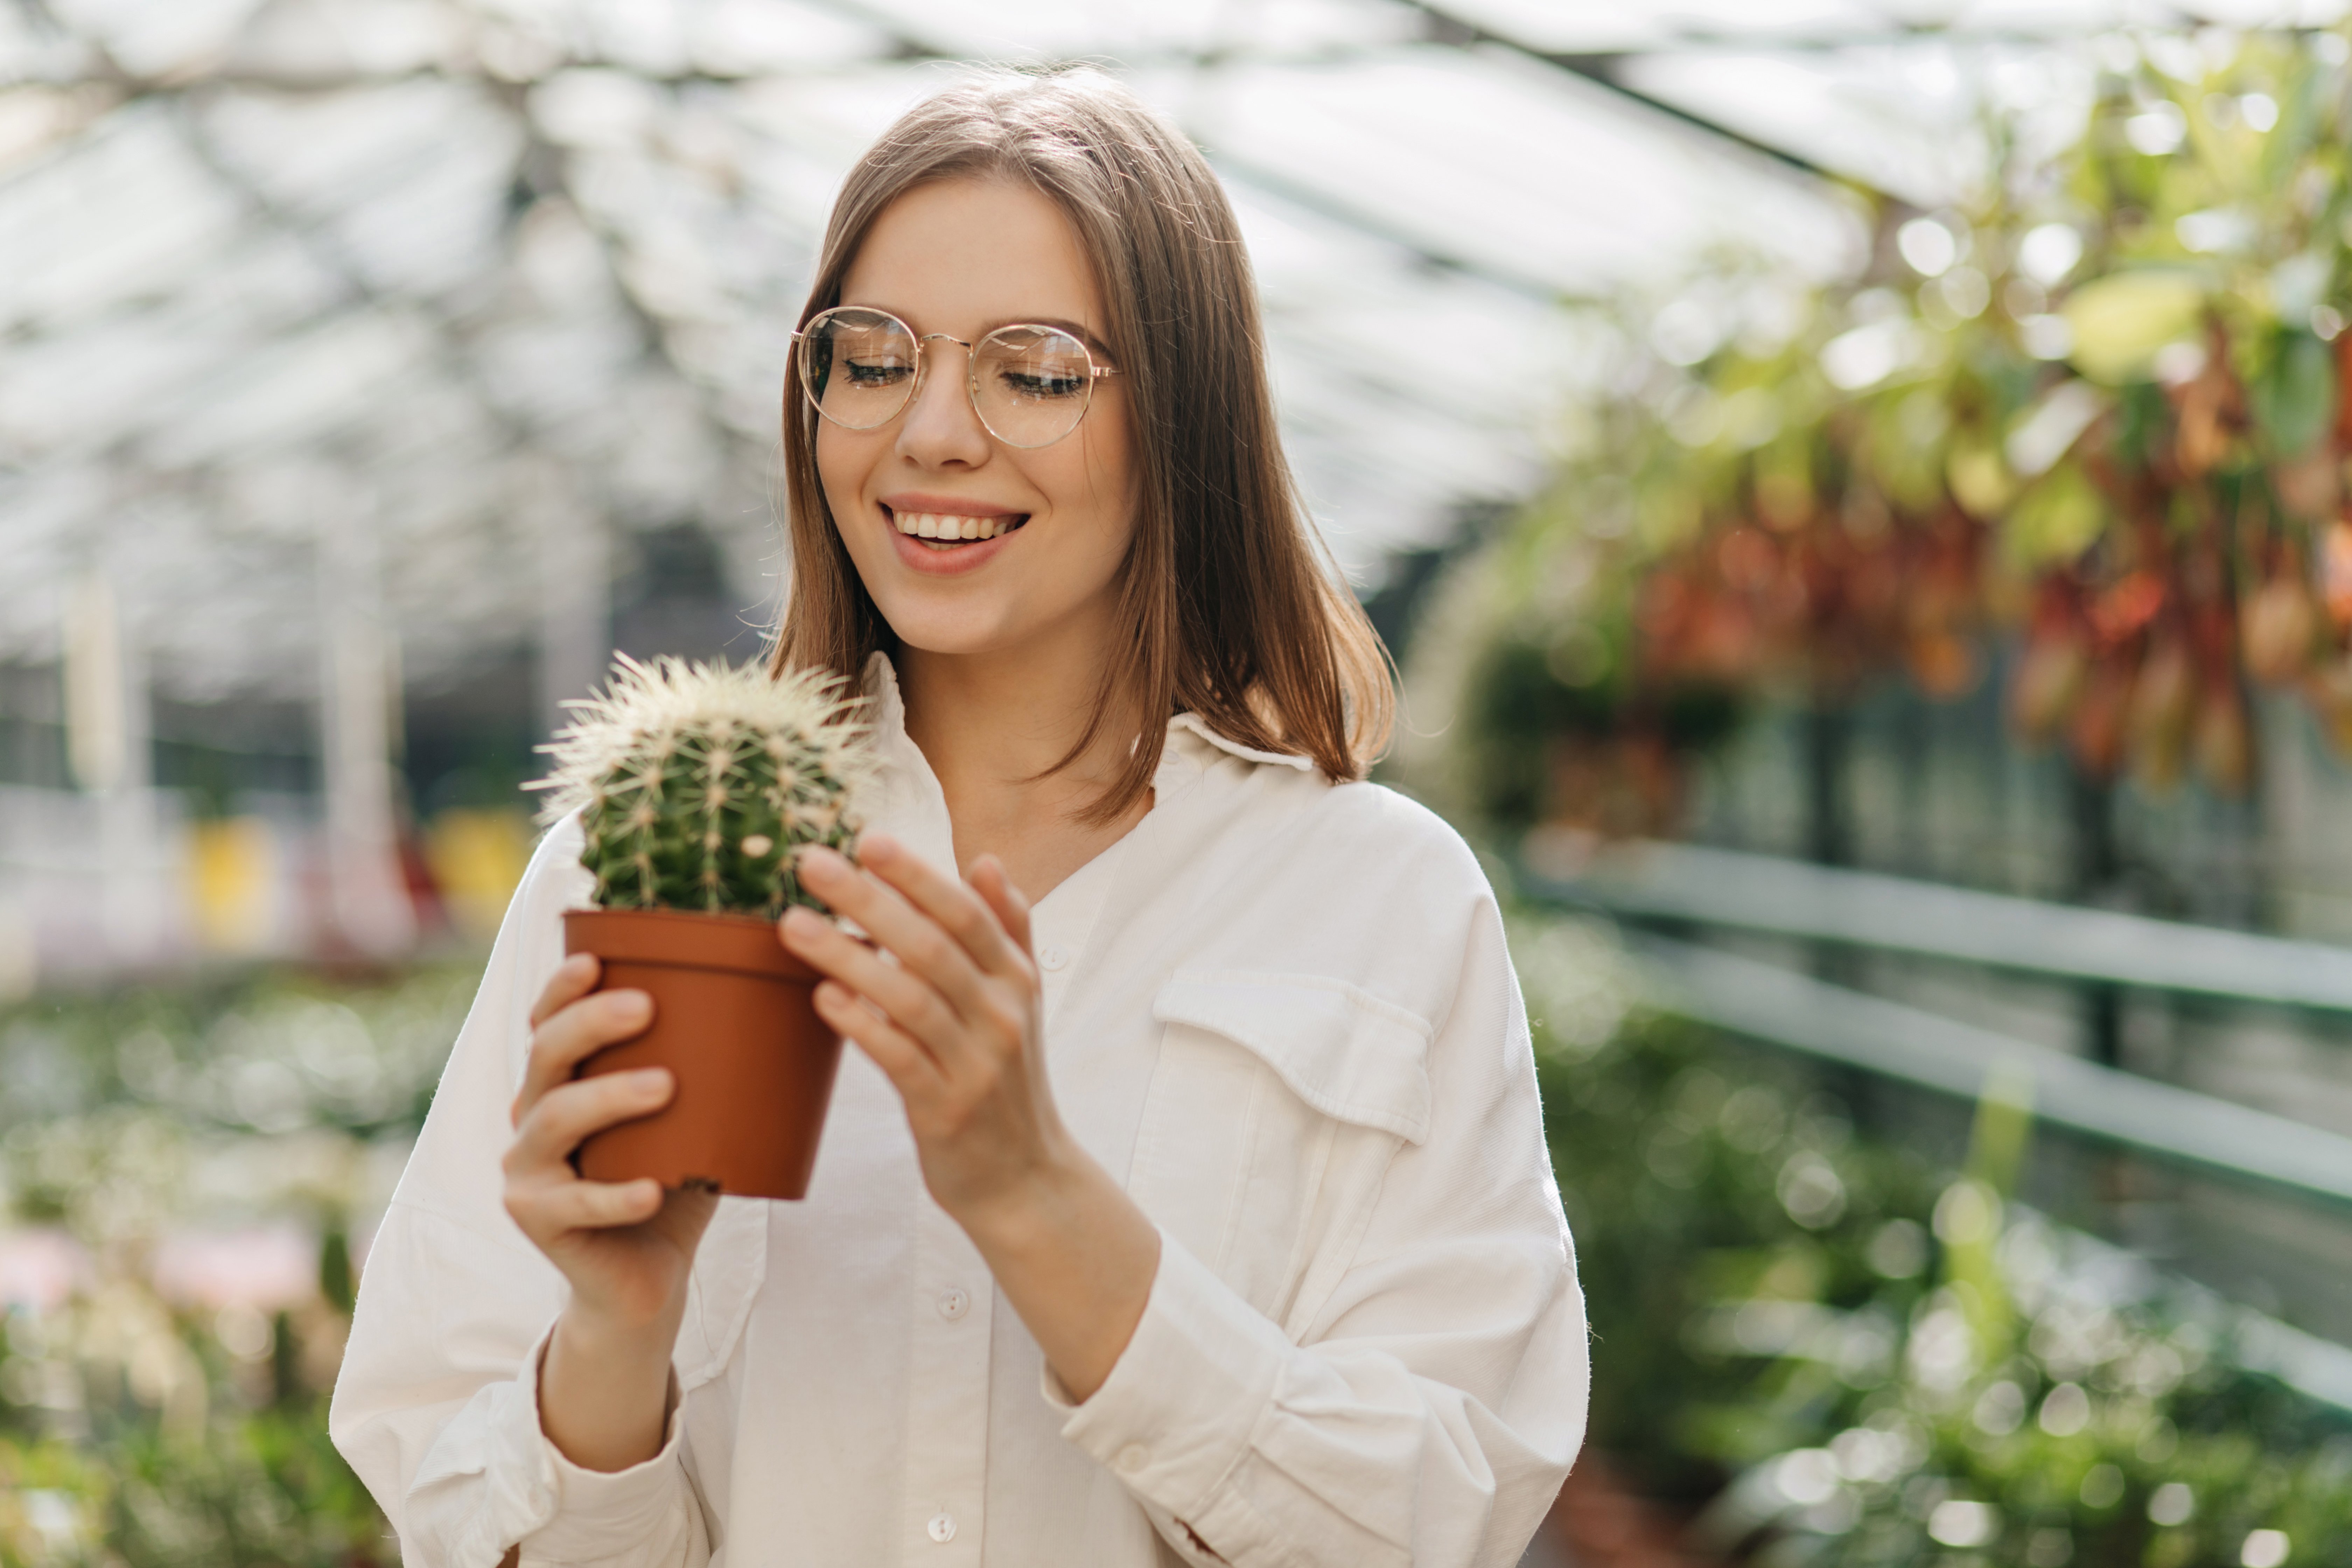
(1878, 599)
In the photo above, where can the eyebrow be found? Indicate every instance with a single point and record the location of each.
(1073, 328)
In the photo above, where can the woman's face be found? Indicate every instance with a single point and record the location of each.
(964, 256)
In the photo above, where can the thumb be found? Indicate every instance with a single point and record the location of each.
(996, 890)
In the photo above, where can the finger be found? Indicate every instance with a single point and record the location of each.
(906, 996)
(546, 1207)
(573, 1036)
(573, 979)
(956, 909)
(911, 1069)
(569, 1112)
(1009, 903)
(920, 943)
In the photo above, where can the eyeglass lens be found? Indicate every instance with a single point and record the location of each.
(1030, 385)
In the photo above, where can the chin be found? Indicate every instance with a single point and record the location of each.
(960, 633)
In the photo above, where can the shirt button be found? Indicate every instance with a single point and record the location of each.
(1131, 1459)
(954, 1304)
(1053, 957)
(942, 1528)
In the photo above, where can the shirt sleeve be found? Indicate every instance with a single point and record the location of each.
(436, 1406)
(1431, 1411)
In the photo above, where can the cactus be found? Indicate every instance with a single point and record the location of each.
(696, 783)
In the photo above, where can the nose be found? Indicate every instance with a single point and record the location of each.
(943, 429)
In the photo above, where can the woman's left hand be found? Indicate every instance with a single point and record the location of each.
(954, 1022)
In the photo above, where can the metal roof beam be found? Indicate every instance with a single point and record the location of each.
(1605, 70)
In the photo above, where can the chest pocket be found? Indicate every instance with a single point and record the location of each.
(1273, 1107)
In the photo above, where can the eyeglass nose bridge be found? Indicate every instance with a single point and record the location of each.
(922, 365)
(970, 365)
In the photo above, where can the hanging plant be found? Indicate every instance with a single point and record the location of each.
(2095, 413)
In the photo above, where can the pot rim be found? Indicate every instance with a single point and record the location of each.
(686, 938)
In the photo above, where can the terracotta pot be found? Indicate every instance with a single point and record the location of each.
(735, 1021)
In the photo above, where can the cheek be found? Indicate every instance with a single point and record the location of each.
(834, 465)
(845, 462)
(1108, 476)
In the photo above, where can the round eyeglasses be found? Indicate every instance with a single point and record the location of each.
(859, 367)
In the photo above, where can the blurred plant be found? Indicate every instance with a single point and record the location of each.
(1861, 1360)
(260, 1050)
(2098, 405)
(163, 1381)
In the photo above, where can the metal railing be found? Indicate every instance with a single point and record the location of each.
(1762, 893)
(1683, 886)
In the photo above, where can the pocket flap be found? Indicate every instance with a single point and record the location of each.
(1343, 1051)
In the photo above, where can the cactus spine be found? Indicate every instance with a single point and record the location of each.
(696, 783)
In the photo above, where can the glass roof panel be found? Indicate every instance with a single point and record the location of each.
(1535, 174)
(440, 260)
(154, 38)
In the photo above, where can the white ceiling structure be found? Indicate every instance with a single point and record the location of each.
(472, 276)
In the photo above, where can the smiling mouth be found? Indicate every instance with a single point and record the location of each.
(946, 531)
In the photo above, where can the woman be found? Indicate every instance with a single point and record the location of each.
(1186, 1198)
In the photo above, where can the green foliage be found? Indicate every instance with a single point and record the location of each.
(249, 1050)
(138, 1431)
(1865, 1362)
(260, 1486)
(697, 783)
(2108, 377)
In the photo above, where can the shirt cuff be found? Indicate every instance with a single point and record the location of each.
(1177, 1413)
(600, 1513)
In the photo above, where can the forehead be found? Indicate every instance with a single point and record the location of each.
(961, 256)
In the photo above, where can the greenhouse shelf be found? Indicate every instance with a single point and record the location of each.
(1775, 897)
(1779, 1006)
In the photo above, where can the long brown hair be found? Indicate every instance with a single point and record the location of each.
(1239, 615)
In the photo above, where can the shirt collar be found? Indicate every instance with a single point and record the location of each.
(1200, 726)
(888, 719)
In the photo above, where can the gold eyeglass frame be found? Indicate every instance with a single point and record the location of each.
(801, 372)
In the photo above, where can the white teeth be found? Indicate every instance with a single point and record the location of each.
(952, 525)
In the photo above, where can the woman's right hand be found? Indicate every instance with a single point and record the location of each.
(626, 1247)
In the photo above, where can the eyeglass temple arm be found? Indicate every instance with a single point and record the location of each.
(1098, 369)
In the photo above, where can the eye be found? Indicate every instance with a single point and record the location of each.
(862, 374)
(1045, 383)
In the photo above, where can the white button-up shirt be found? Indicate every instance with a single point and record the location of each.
(1283, 1013)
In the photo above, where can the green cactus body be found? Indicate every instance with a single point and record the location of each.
(695, 783)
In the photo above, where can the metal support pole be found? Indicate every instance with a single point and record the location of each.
(2098, 871)
(1828, 735)
(367, 891)
(109, 722)
(575, 598)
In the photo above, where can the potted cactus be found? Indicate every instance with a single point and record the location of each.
(696, 784)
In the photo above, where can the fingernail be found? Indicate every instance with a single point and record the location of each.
(629, 1004)
(649, 1080)
(800, 921)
